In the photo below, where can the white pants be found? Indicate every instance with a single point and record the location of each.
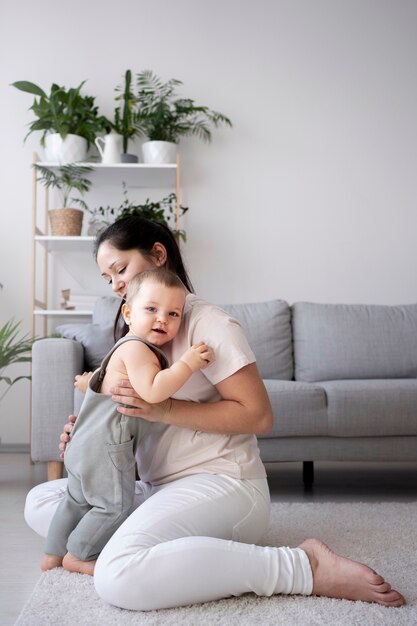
(188, 541)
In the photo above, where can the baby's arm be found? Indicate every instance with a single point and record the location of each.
(152, 383)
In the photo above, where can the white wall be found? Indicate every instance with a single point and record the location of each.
(312, 195)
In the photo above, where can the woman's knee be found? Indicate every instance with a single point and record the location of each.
(41, 503)
(122, 581)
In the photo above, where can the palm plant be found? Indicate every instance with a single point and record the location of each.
(69, 177)
(13, 350)
(162, 116)
(64, 111)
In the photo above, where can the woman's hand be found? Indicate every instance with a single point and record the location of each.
(136, 406)
(65, 437)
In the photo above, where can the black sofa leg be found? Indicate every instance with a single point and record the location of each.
(308, 474)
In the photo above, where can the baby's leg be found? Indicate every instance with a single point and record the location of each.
(72, 564)
(50, 561)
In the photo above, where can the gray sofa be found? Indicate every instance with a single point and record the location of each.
(342, 380)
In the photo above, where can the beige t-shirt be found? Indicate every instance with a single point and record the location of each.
(168, 452)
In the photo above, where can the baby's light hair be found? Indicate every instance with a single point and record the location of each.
(159, 275)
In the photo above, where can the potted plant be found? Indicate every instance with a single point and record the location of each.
(12, 350)
(160, 212)
(68, 121)
(125, 117)
(164, 117)
(66, 221)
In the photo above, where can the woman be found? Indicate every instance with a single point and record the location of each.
(203, 500)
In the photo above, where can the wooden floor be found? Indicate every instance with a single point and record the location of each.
(21, 548)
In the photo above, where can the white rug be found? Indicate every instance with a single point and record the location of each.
(382, 535)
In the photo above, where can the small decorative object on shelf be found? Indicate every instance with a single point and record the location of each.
(66, 221)
(77, 301)
(69, 121)
(164, 118)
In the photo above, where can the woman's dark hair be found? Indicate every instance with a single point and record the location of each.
(138, 233)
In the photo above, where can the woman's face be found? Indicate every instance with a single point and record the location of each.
(118, 266)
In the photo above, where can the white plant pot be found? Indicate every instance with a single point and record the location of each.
(69, 150)
(159, 152)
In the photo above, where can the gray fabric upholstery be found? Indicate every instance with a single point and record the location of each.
(339, 341)
(268, 329)
(55, 362)
(361, 408)
(96, 338)
(354, 397)
(375, 449)
(299, 409)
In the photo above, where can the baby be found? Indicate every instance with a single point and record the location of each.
(100, 456)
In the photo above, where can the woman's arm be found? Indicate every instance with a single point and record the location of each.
(245, 407)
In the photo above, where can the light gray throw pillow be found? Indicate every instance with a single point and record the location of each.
(268, 328)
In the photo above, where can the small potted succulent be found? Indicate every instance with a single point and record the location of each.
(70, 178)
(164, 118)
(68, 121)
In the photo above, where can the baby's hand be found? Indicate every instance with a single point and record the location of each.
(81, 381)
(198, 356)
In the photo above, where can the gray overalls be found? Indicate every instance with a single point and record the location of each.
(100, 461)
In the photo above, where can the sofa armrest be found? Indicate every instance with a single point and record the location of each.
(55, 362)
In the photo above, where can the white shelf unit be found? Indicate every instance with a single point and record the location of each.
(134, 175)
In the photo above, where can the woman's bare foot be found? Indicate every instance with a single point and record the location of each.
(72, 564)
(335, 576)
(50, 561)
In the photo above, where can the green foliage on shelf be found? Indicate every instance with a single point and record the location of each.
(64, 111)
(162, 116)
(161, 211)
(69, 178)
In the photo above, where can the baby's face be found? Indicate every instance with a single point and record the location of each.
(155, 312)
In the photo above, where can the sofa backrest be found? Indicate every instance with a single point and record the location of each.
(268, 328)
(349, 341)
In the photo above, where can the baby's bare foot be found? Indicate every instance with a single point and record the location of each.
(72, 564)
(50, 561)
(335, 576)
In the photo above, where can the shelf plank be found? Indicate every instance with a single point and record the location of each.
(145, 175)
(63, 244)
(63, 312)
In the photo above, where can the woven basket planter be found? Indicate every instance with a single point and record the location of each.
(66, 222)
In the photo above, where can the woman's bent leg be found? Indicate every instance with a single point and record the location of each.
(192, 541)
(41, 504)
(43, 500)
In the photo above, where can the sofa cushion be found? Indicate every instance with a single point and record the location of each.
(96, 340)
(299, 409)
(268, 328)
(348, 341)
(366, 408)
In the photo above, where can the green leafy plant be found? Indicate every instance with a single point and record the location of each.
(69, 178)
(13, 350)
(125, 122)
(163, 116)
(161, 211)
(64, 111)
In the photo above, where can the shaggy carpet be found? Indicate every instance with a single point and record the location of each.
(382, 535)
